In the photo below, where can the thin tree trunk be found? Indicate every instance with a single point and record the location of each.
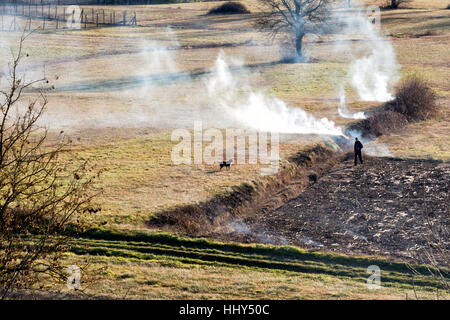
(299, 45)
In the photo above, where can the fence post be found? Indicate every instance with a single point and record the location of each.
(97, 20)
(56, 12)
(64, 14)
(85, 19)
(124, 17)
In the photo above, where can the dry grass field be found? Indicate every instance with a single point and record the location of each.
(121, 91)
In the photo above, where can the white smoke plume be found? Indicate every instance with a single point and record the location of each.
(371, 146)
(156, 58)
(260, 111)
(344, 112)
(152, 62)
(7, 42)
(373, 67)
(377, 149)
(264, 236)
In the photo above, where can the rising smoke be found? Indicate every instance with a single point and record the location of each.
(261, 111)
(156, 58)
(373, 68)
(231, 99)
(344, 112)
(371, 146)
(124, 92)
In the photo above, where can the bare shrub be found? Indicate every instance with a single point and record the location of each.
(394, 4)
(229, 8)
(39, 194)
(415, 99)
(382, 123)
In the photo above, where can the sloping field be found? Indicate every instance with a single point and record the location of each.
(140, 265)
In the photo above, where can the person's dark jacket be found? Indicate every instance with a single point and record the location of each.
(358, 146)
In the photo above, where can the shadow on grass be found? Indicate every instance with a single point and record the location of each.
(160, 79)
(160, 246)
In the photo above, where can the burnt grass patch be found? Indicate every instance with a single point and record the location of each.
(384, 207)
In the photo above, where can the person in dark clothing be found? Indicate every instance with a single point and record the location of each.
(358, 147)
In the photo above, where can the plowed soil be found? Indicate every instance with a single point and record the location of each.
(382, 207)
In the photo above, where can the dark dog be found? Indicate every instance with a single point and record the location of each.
(226, 164)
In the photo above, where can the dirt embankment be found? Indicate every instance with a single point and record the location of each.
(216, 216)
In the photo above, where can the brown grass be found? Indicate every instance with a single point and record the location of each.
(246, 199)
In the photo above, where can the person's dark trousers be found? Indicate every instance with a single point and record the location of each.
(358, 154)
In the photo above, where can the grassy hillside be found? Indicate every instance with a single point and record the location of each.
(141, 265)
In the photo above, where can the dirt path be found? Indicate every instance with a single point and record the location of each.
(377, 208)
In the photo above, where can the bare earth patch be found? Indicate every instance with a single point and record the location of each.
(377, 208)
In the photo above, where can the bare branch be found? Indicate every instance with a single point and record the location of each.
(293, 17)
(39, 195)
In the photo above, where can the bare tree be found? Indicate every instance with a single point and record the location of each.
(39, 194)
(394, 4)
(295, 18)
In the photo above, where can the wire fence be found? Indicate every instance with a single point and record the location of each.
(51, 16)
